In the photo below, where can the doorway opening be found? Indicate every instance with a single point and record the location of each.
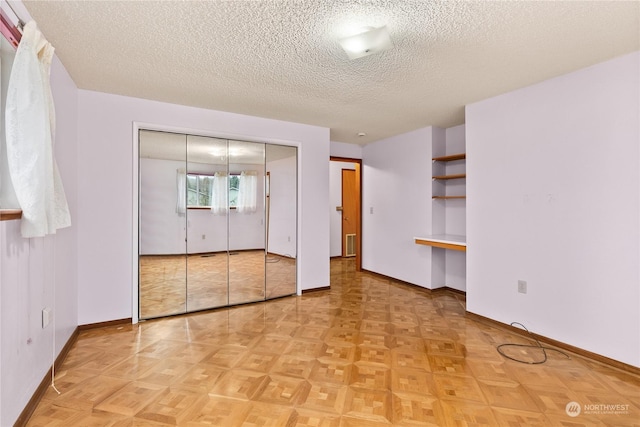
(346, 208)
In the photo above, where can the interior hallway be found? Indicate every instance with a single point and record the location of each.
(367, 352)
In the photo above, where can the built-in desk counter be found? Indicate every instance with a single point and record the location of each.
(445, 241)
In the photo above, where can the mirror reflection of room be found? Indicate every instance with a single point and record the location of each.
(281, 217)
(217, 222)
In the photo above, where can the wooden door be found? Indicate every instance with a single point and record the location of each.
(349, 212)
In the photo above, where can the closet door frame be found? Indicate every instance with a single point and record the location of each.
(135, 232)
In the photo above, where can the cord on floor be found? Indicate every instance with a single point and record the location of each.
(538, 345)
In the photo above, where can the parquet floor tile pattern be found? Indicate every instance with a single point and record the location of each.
(368, 352)
(174, 284)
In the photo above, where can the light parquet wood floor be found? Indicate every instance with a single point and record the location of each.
(369, 352)
(174, 284)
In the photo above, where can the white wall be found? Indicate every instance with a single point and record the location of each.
(105, 162)
(39, 272)
(335, 199)
(397, 186)
(162, 229)
(553, 198)
(349, 151)
(283, 195)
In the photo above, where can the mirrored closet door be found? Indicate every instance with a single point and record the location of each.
(217, 222)
(207, 216)
(281, 188)
(246, 222)
(162, 224)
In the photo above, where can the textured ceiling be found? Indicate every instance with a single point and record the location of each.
(281, 59)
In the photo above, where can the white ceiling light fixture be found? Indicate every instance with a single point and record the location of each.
(370, 41)
(218, 152)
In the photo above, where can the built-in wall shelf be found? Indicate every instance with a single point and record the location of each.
(10, 214)
(454, 176)
(444, 241)
(448, 197)
(448, 211)
(450, 158)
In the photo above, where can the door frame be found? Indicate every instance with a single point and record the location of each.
(358, 167)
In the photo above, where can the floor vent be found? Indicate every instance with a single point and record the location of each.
(350, 244)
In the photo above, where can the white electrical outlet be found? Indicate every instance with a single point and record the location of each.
(46, 317)
(203, 237)
(371, 210)
(522, 286)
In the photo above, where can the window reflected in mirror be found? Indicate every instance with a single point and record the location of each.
(201, 190)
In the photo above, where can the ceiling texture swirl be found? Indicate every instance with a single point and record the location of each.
(282, 60)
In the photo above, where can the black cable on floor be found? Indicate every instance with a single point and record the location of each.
(540, 346)
(274, 258)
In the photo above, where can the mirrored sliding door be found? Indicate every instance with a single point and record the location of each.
(207, 217)
(162, 226)
(246, 222)
(217, 222)
(281, 218)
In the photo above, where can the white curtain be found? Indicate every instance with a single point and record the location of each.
(30, 130)
(248, 192)
(219, 194)
(181, 187)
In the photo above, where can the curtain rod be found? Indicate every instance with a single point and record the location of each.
(21, 23)
(11, 32)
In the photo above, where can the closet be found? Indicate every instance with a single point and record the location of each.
(217, 222)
